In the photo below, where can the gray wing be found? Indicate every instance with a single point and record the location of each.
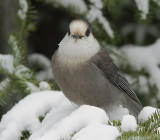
(113, 74)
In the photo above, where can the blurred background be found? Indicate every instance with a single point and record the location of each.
(32, 29)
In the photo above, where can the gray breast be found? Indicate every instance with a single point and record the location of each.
(85, 84)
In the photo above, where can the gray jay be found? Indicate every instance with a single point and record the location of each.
(86, 74)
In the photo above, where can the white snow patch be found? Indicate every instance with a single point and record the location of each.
(143, 6)
(158, 129)
(145, 57)
(23, 71)
(128, 123)
(23, 9)
(98, 3)
(31, 87)
(44, 86)
(14, 45)
(3, 84)
(117, 112)
(97, 132)
(82, 117)
(6, 63)
(145, 113)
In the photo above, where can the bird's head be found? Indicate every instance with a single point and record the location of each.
(79, 44)
(79, 29)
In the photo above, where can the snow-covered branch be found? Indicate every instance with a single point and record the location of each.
(23, 9)
(148, 58)
(64, 120)
(143, 7)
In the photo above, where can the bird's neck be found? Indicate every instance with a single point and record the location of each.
(71, 52)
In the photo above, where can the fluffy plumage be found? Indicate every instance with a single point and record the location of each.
(87, 75)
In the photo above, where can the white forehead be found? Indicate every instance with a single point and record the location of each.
(78, 25)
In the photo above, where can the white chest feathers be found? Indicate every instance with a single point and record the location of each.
(72, 52)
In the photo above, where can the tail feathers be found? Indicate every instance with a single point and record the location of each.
(134, 108)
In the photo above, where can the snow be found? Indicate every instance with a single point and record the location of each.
(31, 87)
(24, 115)
(117, 112)
(14, 46)
(62, 119)
(158, 129)
(43, 63)
(96, 13)
(44, 86)
(128, 123)
(146, 57)
(6, 63)
(78, 5)
(4, 83)
(98, 3)
(39, 60)
(12, 40)
(75, 122)
(23, 71)
(143, 83)
(23, 9)
(92, 13)
(143, 6)
(145, 113)
(105, 132)
(45, 75)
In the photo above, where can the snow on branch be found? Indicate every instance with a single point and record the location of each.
(23, 9)
(95, 12)
(6, 64)
(44, 86)
(43, 63)
(148, 57)
(17, 51)
(143, 7)
(92, 12)
(22, 71)
(79, 6)
(49, 115)
(30, 87)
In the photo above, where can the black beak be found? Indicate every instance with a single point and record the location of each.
(77, 36)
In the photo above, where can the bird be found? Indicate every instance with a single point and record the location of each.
(86, 74)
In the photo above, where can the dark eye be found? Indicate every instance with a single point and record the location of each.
(88, 32)
(69, 32)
